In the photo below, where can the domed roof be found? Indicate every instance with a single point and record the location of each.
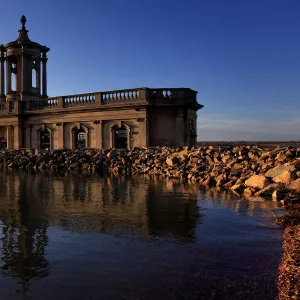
(23, 39)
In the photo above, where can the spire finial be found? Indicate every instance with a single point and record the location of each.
(23, 21)
(23, 33)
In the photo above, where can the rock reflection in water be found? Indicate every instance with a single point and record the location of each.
(254, 207)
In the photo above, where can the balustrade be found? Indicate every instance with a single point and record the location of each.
(43, 103)
(73, 100)
(159, 96)
(162, 93)
(121, 96)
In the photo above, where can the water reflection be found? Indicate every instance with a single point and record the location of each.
(81, 203)
(253, 206)
(142, 209)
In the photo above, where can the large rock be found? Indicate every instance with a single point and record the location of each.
(267, 191)
(284, 177)
(294, 185)
(172, 161)
(278, 170)
(257, 181)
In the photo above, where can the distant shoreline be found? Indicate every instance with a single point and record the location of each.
(249, 143)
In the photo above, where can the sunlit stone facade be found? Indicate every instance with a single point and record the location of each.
(138, 117)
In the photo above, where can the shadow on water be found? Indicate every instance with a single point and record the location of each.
(140, 210)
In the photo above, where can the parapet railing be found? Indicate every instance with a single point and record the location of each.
(117, 97)
(74, 100)
(43, 103)
(121, 96)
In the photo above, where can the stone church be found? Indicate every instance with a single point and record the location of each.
(138, 117)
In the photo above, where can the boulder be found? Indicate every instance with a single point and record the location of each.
(294, 185)
(279, 169)
(172, 161)
(257, 181)
(284, 177)
(296, 164)
(267, 191)
(249, 191)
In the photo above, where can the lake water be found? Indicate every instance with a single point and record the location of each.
(77, 236)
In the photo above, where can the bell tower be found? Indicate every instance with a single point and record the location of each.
(26, 68)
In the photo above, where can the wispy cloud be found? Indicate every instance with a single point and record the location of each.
(276, 127)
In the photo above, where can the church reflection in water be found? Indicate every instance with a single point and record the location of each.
(32, 203)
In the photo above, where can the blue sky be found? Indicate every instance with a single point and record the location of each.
(242, 56)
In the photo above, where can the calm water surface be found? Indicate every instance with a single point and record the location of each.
(91, 237)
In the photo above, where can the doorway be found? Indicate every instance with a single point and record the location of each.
(121, 141)
(80, 139)
(45, 139)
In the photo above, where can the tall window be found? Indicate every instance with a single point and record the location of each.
(34, 78)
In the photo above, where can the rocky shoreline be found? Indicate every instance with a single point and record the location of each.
(247, 171)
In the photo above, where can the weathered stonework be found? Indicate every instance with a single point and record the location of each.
(139, 117)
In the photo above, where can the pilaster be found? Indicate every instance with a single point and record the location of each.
(28, 129)
(99, 133)
(179, 128)
(18, 136)
(10, 137)
(59, 144)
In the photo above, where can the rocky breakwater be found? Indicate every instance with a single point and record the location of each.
(246, 170)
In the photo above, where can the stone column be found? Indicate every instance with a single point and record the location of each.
(129, 138)
(44, 74)
(8, 76)
(2, 78)
(38, 75)
(87, 137)
(23, 78)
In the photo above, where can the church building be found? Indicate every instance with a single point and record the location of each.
(137, 117)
